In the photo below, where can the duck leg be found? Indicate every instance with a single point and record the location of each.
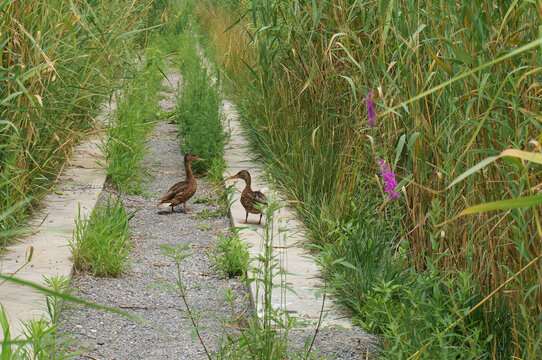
(259, 222)
(172, 209)
(246, 219)
(185, 210)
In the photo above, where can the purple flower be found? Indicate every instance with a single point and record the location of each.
(370, 108)
(389, 179)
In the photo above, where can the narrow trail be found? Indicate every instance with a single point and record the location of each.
(167, 335)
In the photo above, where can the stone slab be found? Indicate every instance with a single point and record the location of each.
(302, 271)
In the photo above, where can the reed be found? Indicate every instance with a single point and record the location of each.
(59, 62)
(302, 91)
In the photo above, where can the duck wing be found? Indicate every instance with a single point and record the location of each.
(259, 197)
(177, 188)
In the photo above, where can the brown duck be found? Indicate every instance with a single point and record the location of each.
(249, 197)
(183, 190)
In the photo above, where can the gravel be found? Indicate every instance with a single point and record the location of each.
(140, 291)
(166, 335)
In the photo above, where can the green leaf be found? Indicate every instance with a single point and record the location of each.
(473, 169)
(527, 201)
(4, 102)
(412, 140)
(352, 86)
(67, 297)
(524, 155)
(399, 149)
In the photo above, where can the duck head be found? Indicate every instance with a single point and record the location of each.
(192, 157)
(243, 174)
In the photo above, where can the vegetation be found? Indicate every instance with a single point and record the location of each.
(137, 108)
(101, 243)
(230, 255)
(41, 339)
(59, 61)
(455, 91)
(198, 115)
(453, 84)
(265, 333)
(43, 342)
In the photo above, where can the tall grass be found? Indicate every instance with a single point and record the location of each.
(58, 60)
(137, 110)
(198, 115)
(301, 78)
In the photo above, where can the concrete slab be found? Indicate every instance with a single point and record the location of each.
(77, 189)
(302, 276)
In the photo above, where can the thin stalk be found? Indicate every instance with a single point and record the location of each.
(188, 310)
(319, 321)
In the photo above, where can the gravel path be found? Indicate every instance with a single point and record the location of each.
(109, 336)
(167, 335)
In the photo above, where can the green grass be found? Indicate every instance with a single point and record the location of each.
(101, 242)
(137, 111)
(40, 339)
(198, 115)
(300, 74)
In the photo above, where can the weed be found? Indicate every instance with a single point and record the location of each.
(230, 255)
(266, 334)
(223, 202)
(206, 200)
(178, 255)
(203, 227)
(40, 339)
(100, 243)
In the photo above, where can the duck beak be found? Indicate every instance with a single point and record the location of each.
(232, 177)
(199, 159)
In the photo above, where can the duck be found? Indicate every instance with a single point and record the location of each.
(180, 192)
(250, 198)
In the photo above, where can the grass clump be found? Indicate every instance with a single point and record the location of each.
(230, 255)
(101, 243)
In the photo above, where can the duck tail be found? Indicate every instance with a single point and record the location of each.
(163, 205)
